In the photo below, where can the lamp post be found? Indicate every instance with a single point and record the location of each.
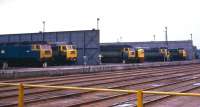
(43, 22)
(98, 23)
(191, 36)
(154, 37)
(166, 37)
(167, 44)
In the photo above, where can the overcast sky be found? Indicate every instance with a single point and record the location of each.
(132, 20)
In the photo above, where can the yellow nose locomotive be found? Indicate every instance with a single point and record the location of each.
(120, 53)
(64, 53)
(178, 54)
(136, 55)
(23, 54)
(116, 53)
(155, 54)
(139, 55)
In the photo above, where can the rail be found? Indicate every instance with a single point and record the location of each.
(139, 93)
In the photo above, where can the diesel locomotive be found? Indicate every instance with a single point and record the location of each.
(24, 54)
(156, 54)
(139, 55)
(178, 54)
(64, 53)
(121, 54)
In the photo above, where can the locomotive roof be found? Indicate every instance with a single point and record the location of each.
(22, 43)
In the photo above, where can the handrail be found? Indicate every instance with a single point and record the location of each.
(139, 93)
(171, 93)
(82, 88)
(9, 84)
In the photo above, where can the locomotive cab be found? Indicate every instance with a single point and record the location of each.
(182, 53)
(130, 52)
(164, 53)
(178, 54)
(71, 52)
(44, 50)
(64, 53)
(140, 55)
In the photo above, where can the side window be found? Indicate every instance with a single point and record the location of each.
(64, 47)
(35, 47)
(68, 46)
(161, 51)
(126, 49)
(38, 47)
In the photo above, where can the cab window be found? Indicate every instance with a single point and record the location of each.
(37, 46)
(132, 53)
(126, 49)
(64, 48)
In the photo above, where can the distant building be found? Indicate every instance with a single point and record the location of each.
(186, 44)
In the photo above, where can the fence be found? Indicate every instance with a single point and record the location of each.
(139, 93)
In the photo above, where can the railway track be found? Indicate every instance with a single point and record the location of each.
(174, 78)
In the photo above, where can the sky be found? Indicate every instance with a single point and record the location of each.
(120, 20)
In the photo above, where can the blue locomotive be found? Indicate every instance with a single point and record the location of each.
(24, 54)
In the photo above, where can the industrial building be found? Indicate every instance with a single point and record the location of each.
(186, 44)
(87, 42)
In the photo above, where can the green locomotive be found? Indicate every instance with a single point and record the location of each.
(121, 54)
(155, 54)
(178, 54)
